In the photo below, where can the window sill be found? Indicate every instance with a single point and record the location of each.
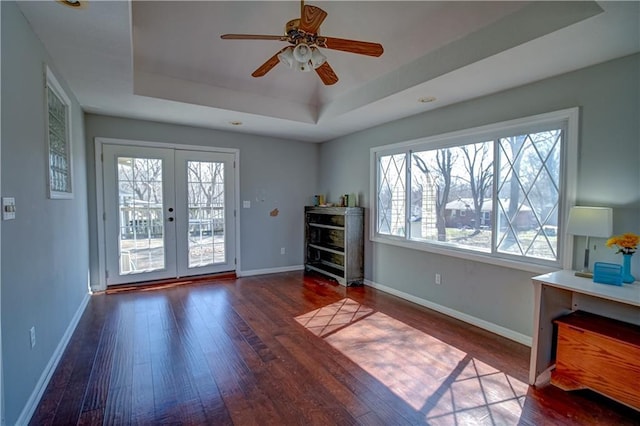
(467, 255)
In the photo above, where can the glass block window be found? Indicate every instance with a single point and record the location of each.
(58, 122)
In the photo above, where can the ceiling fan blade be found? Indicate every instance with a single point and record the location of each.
(267, 66)
(252, 37)
(352, 46)
(311, 19)
(326, 74)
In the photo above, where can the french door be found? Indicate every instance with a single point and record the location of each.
(168, 213)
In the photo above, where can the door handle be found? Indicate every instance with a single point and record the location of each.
(170, 219)
(170, 209)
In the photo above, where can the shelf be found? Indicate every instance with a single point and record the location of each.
(332, 265)
(319, 225)
(330, 249)
(337, 274)
(334, 243)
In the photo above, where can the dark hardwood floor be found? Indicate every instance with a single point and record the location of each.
(292, 349)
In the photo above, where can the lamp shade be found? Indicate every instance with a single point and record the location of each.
(286, 57)
(317, 58)
(590, 221)
(302, 53)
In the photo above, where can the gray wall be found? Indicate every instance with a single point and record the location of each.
(274, 173)
(44, 250)
(609, 153)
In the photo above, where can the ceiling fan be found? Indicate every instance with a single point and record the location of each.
(303, 53)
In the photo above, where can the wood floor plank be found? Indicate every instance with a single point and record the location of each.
(339, 390)
(294, 394)
(229, 361)
(142, 401)
(73, 367)
(98, 385)
(91, 418)
(117, 408)
(225, 389)
(292, 349)
(270, 336)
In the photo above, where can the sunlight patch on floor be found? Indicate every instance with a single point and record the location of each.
(330, 318)
(444, 383)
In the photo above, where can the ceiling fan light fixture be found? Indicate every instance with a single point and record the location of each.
(303, 66)
(302, 52)
(317, 58)
(286, 57)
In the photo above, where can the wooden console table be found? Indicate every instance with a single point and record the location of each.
(559, 293)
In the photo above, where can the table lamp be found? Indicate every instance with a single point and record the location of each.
(589, 222)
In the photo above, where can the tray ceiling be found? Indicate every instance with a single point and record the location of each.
(165, 61)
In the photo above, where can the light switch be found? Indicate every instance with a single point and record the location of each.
(8, 208)
(246, 204)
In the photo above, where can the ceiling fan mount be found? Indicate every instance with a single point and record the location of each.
(292, 26)
(303, 53)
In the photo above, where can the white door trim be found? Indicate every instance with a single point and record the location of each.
(101, 284)
(1, 373)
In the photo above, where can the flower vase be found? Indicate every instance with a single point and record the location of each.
(626, 269)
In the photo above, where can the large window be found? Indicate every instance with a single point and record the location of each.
(499, 191)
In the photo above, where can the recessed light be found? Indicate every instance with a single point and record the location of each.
(427, 99)
(236, 123)
(76, 4)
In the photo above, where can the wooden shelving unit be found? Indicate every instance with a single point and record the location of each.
(334, 244)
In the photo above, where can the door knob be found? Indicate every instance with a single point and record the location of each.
(170, 219)
(170, 209)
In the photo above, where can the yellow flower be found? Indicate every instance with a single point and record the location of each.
(627, 243)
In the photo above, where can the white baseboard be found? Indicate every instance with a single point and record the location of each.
(489, 326)
(269, 271)
(41, 386)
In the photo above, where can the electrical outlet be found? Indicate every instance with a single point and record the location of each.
(282, 250)
(438, 279)
(32, 336)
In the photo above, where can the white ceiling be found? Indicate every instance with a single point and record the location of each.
(165, 61)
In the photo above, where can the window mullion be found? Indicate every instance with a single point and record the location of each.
(407, 197)
(494, 197)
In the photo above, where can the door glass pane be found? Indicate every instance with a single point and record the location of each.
(141, 222)
(205, 203)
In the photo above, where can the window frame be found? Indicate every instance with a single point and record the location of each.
(568, 183)
(52, 84)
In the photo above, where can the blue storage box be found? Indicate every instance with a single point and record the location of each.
(607, 273)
